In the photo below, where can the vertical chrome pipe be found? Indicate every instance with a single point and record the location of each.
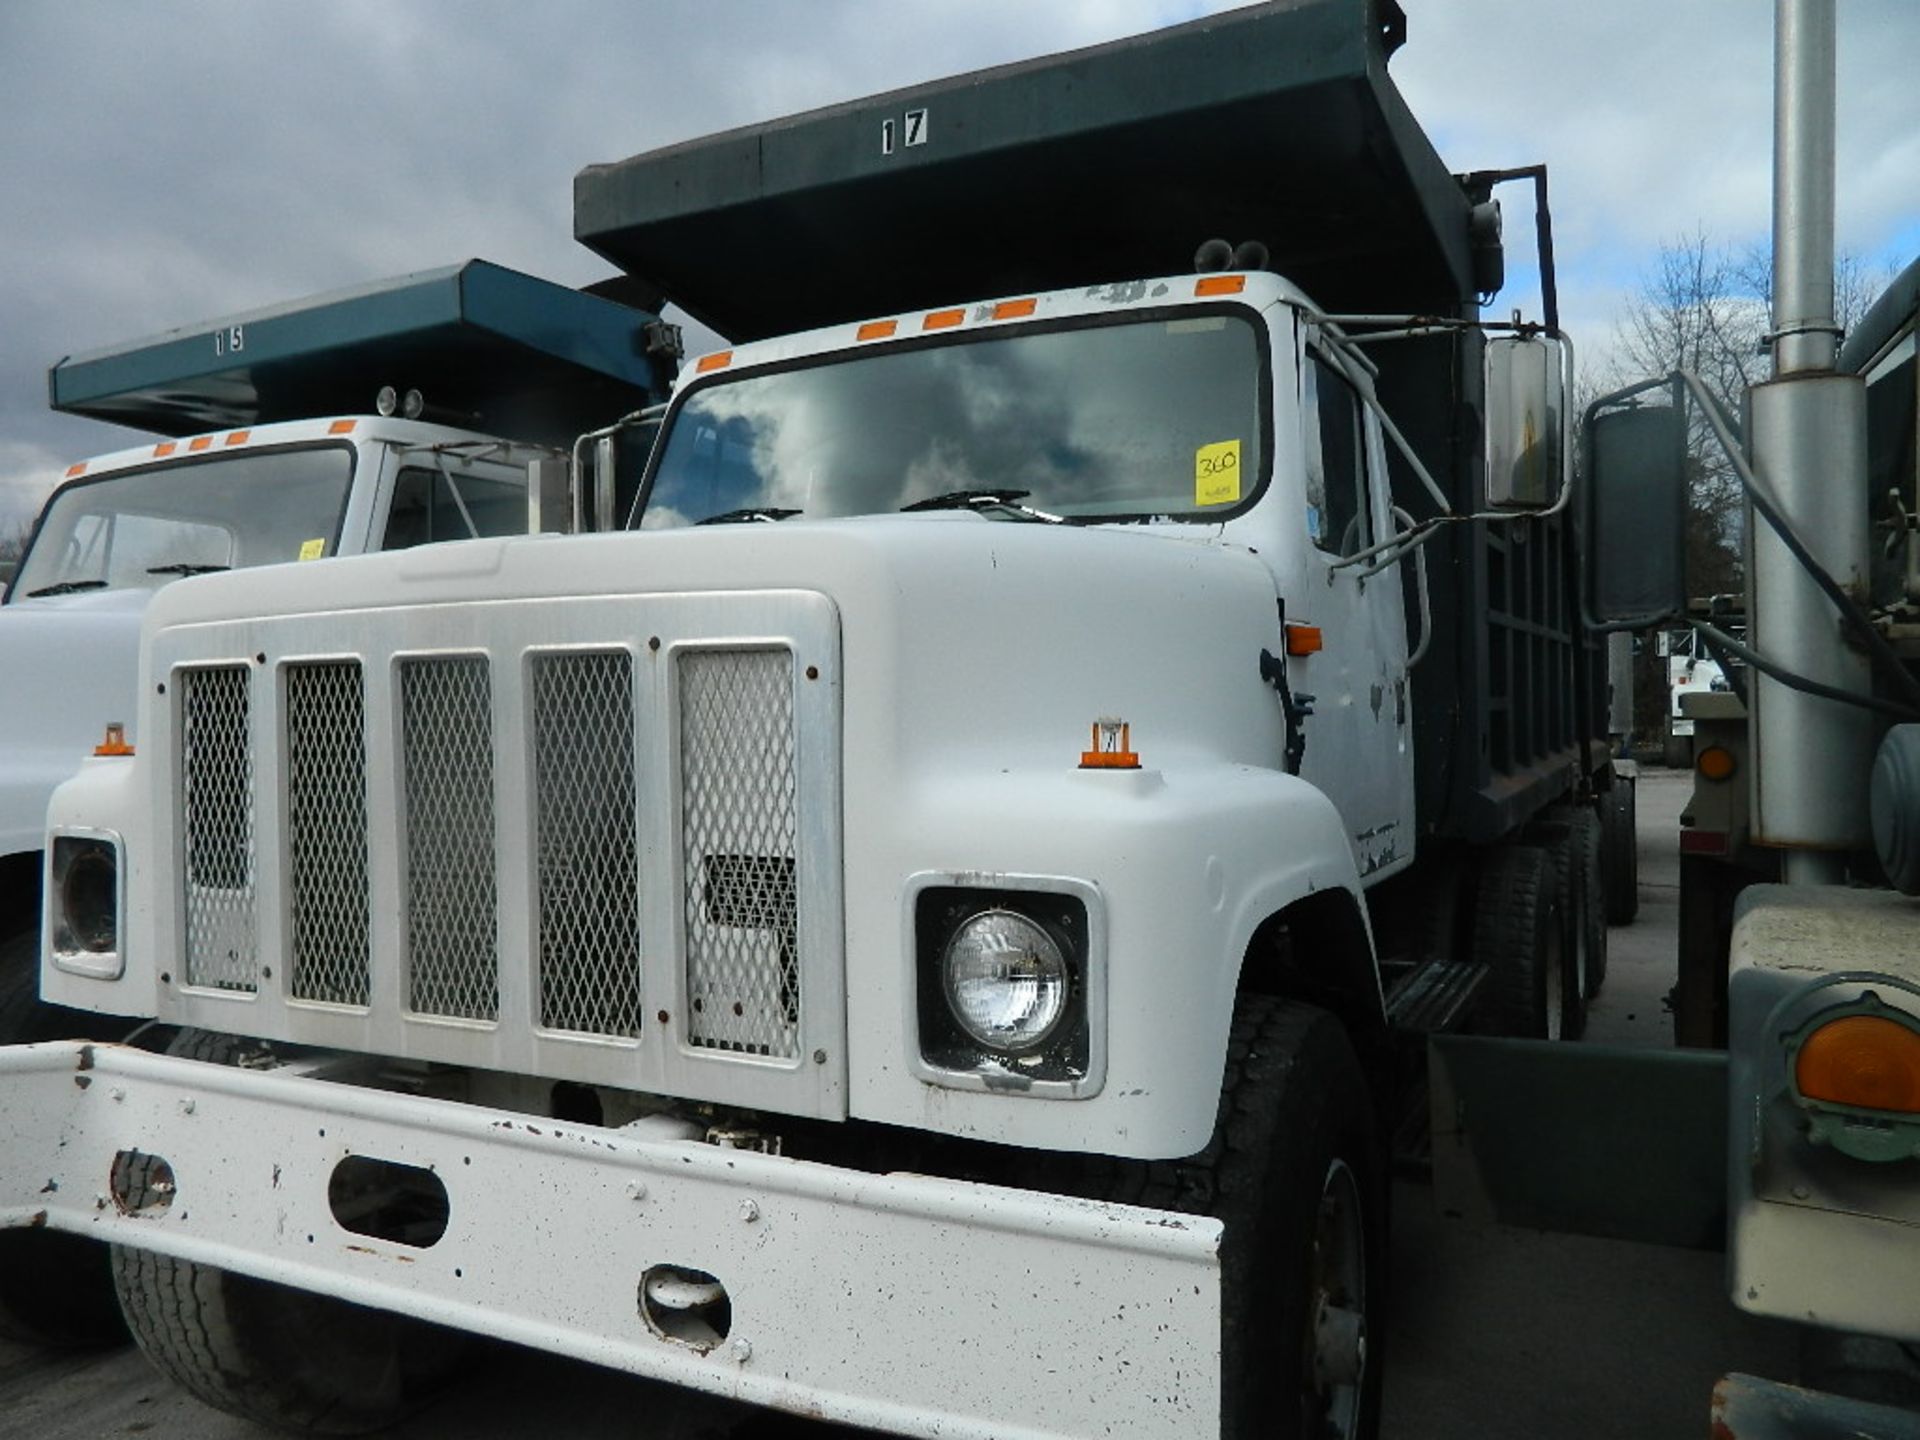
(1808, 438)
(1803, 184)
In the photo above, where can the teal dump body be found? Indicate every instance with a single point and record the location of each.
(489, 349)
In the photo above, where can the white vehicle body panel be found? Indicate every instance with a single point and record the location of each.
(942, 774)
(1090, 1320)
(71, 660)
(1813, 1235)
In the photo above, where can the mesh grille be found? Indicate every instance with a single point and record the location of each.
(447, 755)
(737, 832)
(217, 833)
(587, 875)
(327, 832)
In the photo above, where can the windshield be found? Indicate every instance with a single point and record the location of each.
(146, 527)
(1162, 417)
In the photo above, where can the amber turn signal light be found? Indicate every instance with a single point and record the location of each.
(1716, 762)
(1866, 1061)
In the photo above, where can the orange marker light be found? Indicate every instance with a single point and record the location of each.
(876, 330)
(116, 741)
(1303, 639)
(718, 360)
(1864, 1060)
(164, 449)
(200, 442)
(943, 319)
(76, 470)
(1219, 285)
(1014, 309)
(239, 437)
(341, 427)
(1716, 762)
(1112, 747)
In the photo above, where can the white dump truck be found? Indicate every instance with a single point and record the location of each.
(274, 447)
(936, 927)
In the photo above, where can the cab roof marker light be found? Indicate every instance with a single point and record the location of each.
(200, 442)
(718, 360)
(1014, 309)
(943, 319)
(164, 449)
(76, 470)
(1219, 285)
(239, 437)
(341, 427)
(877, 330)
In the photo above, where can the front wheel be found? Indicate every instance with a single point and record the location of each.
(1301, 1187)
(281, 1356)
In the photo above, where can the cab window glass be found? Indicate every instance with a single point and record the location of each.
(425, 508)
(1338, 517)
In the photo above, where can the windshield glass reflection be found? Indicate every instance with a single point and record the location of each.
(1137, 419)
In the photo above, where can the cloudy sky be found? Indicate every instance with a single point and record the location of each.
(165, 163)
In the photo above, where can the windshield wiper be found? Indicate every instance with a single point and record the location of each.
(67, 587)
(185, 567)
(764, 514)
(998, 499)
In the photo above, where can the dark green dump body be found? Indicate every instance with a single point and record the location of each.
(489, 348)
(1276, 123)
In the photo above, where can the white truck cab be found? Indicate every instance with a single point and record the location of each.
(122, 525)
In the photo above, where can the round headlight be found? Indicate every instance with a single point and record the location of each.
(1006, 981)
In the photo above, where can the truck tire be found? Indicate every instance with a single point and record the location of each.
(55, 1288)
(1620, 852)
(271, 1353)
(1585, 835)
(1578, 903)
(1517, 934)
(1676, 751)
(1297, 1176)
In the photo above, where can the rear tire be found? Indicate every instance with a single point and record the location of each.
(1575, 900)
(271, 1353)
(1586, 840)
(55, 1288)
(1517, 934)
(1676, 751)
(1620, 852)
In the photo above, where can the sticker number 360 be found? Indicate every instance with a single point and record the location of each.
(1216, 473)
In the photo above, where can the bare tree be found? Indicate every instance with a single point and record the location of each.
(1697, 310)
(13, 539)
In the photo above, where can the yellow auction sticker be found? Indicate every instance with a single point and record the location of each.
(312, 549)
(1216, 473)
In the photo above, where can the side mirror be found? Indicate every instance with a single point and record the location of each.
(549, 496)
(1526, 422)
(1636, 513)
(607, 469)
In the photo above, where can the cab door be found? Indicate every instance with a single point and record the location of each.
(1359, 745)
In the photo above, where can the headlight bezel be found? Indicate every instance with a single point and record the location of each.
(76, 856)
(1069, 1062)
